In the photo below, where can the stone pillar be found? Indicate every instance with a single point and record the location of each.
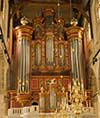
(3, 86)
(96, 69)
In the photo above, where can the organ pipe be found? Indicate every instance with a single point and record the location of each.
(23, 36)
(74, 35)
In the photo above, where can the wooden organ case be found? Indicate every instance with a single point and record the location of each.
(44, 54)
(50, 53)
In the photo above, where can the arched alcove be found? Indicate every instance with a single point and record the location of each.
(34, 103)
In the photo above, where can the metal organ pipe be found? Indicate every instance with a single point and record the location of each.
(74, 34)
(23, 36)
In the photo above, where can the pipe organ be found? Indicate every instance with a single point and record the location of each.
(23, 36)
(49, 57)
(50, 50)
(74, 35)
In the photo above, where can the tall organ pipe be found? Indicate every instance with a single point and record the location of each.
(74, 35)
(23, 36)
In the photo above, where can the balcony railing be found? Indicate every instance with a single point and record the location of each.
(33, 112)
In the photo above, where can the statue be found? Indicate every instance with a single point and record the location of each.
(24, 20)
(42, 89)
(63, 89)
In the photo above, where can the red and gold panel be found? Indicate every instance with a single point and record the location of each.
(34, 85)
(65, 82)
(37, 82)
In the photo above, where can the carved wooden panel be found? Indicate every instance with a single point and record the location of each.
(50, 50)
(37, 82)
(34, 84)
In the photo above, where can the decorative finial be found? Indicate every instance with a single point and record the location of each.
(24, 20)
(74, 21)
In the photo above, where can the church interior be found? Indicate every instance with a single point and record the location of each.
(49, 59)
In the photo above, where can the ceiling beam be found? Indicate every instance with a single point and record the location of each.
(35, 2)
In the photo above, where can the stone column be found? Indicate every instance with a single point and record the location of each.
(3, 86)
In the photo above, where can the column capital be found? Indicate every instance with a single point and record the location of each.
(23, 30)
(75, 32)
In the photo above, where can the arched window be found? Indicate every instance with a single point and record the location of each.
(34, 103)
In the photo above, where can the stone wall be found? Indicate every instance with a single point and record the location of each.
(95, 46)
(3, 85)
(4, 66)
